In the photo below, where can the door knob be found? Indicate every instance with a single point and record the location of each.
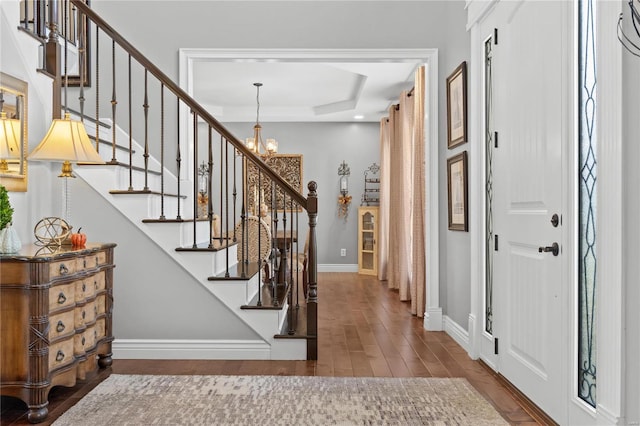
(553, 248)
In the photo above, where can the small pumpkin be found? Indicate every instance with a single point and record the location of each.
(78, 239)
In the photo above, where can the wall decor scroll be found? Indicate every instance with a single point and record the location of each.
(289, 167)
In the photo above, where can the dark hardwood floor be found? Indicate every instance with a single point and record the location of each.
(364, 330)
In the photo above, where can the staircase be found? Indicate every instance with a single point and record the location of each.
(208, 303)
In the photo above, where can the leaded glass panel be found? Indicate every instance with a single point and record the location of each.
(587, 204)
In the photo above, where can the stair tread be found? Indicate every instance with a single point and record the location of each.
(217, 246)
(174, 220)
(106, 142)
(237, 272)
(300, 322)
(121, 164)
(270, 298)
(142, 191)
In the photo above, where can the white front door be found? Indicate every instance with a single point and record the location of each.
(529, 104)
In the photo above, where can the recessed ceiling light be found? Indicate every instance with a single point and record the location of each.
(358, 117)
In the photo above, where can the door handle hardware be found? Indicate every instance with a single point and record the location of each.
(555, 220)
(553, 248)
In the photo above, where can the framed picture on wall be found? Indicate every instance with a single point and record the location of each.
(457, 106)
(457, 189)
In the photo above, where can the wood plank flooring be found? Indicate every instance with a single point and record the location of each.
(364, 330)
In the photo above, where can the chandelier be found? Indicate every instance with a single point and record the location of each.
(255, 144)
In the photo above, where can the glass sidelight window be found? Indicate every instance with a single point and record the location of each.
(587, 208)
(489, 143)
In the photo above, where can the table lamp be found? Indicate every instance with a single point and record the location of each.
(66, 141)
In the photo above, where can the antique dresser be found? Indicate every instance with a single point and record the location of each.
(55, 319)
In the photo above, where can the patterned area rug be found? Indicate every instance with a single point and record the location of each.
(280, 400)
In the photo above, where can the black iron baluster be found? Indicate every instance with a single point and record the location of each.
(223, 223)
(114, 101)
(145, 106)
(195, 177)
(178, 156)
(261, 262)
(162, 217)
(130, 131)
(98, 83)
(226, 195)
(209, 189)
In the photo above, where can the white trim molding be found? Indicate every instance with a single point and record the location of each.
(429, 57)
(190, 349)
(609, 315)
(457, 333)
(338, 267)
(433, 319)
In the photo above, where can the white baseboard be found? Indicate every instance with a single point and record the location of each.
(433, 319)
(190, 349)
(338, 267)
(457, 333)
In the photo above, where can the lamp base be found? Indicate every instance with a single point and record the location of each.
(67, 171)
(4, 166)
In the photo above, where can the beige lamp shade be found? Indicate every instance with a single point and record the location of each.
(66, 141)
(9, 140)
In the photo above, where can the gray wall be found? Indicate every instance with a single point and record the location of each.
(308, 24)
(171, 25)
(324, 146)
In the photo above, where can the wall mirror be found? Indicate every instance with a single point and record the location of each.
(13, 133)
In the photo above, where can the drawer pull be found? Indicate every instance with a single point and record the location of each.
(63, 269)
(84, 263)
(84, 287)
(83, 340)
(61, 298)
(60, 327)
(59, 356)
(95, 284)
(84, 314)
(97, 261)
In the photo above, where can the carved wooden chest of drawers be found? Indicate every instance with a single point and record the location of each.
(55, 319)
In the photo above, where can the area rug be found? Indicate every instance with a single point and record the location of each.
(280, 400)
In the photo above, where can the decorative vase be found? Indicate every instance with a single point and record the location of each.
(9, 240)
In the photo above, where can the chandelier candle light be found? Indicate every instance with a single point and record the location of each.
(255, 143)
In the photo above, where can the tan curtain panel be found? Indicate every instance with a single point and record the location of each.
(383, 225)
(418, 216)
(398, 273)
(402, 259)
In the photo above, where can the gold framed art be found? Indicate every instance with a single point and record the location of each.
(289, 167)
(13, 103)
(457, 106)
(457, 192)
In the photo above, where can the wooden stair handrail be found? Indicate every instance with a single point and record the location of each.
(190, 102)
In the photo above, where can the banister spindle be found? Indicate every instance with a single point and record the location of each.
(226, 195)
(178, 157)
(209, 189)
(114, 101)
(162, 217)
(195, 178)
(145, 106)
(82, 62)
(130, 130)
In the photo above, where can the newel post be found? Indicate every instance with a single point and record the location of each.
(312, 271)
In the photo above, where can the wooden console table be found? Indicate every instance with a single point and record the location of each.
(55, 319)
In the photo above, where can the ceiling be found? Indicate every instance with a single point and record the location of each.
(302, 89)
